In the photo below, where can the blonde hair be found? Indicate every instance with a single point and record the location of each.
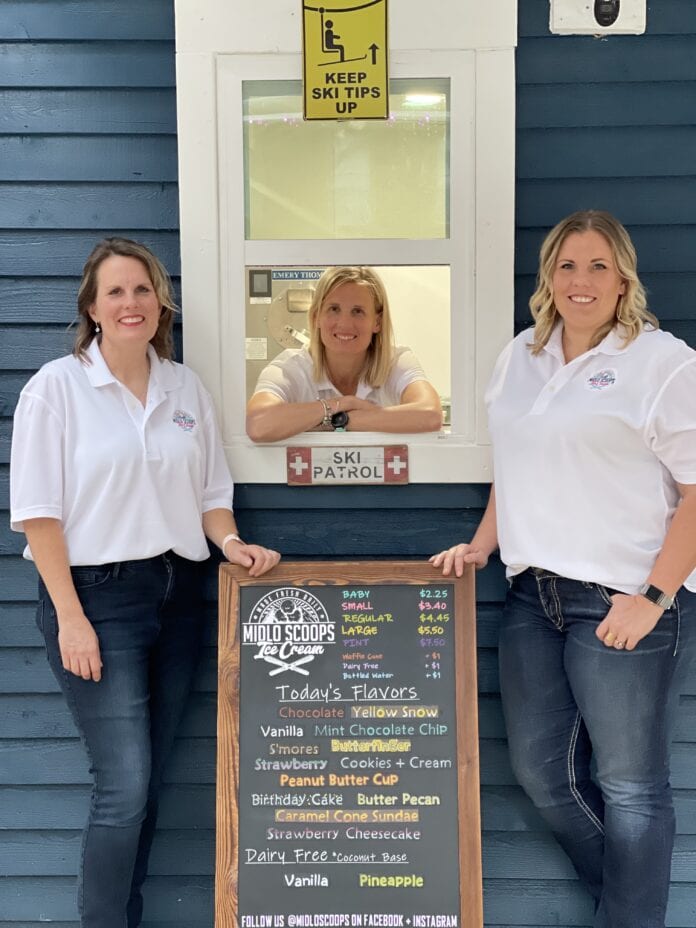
(632, 306)
(162, 340)
(380, 353)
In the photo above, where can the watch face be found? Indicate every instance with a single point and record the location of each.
(339, 420)
(655, 595)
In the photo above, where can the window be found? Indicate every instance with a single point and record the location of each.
(424, 196)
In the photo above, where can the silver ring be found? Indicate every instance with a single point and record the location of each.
(619, 645)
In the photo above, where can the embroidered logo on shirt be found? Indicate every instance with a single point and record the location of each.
(184, 420)
(601, 379)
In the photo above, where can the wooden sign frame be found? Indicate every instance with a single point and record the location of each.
(341, 573)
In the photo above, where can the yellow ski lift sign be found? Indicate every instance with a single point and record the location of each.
(345, 59)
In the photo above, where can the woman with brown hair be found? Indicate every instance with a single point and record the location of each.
(118, 479)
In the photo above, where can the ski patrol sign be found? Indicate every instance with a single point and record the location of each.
(345, 59)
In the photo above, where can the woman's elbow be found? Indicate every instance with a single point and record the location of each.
(432, 419)
(255, 429)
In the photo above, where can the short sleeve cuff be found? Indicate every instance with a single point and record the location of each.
(221, 502)
(19, 516)
(687, 477)
(272, 389)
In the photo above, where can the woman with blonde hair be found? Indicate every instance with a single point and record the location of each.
(593, 422)
(351, 376)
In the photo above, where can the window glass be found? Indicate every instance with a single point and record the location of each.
(350, 178)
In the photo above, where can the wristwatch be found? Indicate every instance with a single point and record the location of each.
(656, 595)
(339, 421)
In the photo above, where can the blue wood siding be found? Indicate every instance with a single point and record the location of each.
(87, 148)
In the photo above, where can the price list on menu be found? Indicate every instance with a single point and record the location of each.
(348, 807)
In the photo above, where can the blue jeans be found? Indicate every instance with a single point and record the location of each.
(148, 618)
(567, 698)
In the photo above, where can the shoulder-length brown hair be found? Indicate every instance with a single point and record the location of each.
(162, 341)
(632, 306)
(380, 353)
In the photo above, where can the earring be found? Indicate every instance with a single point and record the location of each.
(97, 328)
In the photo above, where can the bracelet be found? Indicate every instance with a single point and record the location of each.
(231, 537)
(326, 420)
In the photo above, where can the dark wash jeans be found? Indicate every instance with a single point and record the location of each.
(566, 698)
(148, 618)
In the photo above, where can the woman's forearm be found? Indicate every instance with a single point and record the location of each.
(405, 418)
(273, 422)
(218, 524)
(631, 618)
(47, 545)
(677, 557)
(77, 640)
(419, 411)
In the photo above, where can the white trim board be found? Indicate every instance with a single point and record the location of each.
(479, 251)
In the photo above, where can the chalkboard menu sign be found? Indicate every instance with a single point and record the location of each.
(347, 748)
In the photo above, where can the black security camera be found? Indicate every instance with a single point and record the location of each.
(607, 11)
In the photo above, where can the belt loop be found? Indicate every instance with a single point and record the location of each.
(116, 570)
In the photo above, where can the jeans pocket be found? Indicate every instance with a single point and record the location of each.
(84, 578)
(606, 593)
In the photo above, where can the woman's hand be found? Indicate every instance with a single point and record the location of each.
(349, 404)
(628, 621)
(257, 559)
(457, 556)
(79, 646)
(419, 410)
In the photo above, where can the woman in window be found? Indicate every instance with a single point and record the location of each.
(351, 377)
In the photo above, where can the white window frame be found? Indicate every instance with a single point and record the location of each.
(479, 250)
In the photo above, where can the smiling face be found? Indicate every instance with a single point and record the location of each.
(348, 320)
(586, 283)
(126, 305)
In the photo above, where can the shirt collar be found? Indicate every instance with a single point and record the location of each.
(614, 342)
(554, 346)
(96, 369)
(164, 375)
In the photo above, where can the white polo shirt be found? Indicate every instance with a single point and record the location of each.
(290, 377)
(586, 454)
(126, 482)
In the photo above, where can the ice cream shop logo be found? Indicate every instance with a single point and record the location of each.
(600, 380)
(290, 627)
(184, 420)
